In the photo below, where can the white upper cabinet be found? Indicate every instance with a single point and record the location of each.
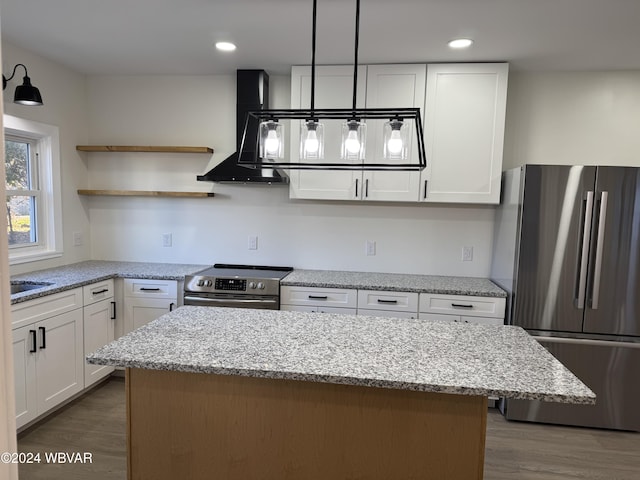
(464, 116)
(333, 89)
(392, 86)
(464, 132)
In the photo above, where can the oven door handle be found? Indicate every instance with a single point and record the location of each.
(204, 301)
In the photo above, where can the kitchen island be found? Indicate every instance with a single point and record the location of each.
(240, 393)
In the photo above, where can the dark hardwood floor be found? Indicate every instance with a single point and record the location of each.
(95, 423)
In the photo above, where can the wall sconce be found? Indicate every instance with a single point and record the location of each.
(26, 94)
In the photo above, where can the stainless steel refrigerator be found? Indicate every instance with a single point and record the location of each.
(567, 250)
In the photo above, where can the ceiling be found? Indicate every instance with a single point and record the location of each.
(99, 37)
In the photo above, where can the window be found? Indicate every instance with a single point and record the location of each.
(23, 193)
(34, 223)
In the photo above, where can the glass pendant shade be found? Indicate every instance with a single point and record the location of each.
(395, 135)
(312, 140)
(354, 137)
(271, 140)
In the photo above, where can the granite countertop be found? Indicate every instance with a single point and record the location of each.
(481, 287)
(451, 358)
(84, 273)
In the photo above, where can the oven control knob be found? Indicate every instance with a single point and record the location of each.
(261, 285)
(200, 283)
(208, 283)
(252, 285)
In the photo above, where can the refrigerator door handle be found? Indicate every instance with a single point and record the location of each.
(597, 270)
(584, 258)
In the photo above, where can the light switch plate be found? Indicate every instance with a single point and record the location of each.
(253, 242)
(467, 254)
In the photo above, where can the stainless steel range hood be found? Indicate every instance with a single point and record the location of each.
(252, 94)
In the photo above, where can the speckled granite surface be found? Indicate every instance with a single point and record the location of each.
(381, 352)
(481, 287)
(84, 273)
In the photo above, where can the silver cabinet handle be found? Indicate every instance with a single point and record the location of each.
(597, 272)
(584, 259)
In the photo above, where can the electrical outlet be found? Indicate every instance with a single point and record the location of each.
(253, 242)
(167, 240)
(467, 254)
(77, 239)
(370, 247)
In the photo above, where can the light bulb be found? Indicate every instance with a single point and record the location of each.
(311, 143)
(352, 143)
(394, 144)
(272, 142)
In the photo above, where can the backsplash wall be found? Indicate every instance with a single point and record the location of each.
(413, 238)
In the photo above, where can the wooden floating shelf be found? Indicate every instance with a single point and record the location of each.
(148, 149)
(144, 193)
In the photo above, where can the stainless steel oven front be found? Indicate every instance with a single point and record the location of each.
(237, 286)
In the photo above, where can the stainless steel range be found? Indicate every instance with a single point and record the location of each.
(239, 286)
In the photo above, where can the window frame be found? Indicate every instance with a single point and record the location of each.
(49, 239)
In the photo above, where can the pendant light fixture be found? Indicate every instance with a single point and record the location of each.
(25, 94)
(396, 130)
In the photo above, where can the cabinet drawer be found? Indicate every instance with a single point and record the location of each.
(462, 305)
(97, 291)
(387, 313)
(44, 307)
(145, 288)
(332, 297)
(396, 301)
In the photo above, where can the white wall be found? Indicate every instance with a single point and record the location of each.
(590, 118)
(579, 118)
(200, 110)
(64, 97)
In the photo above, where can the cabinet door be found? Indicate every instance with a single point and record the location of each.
(482, 320)
(387, 313)
(392, 86)
(140, 311)
(333, 89)
(98, 331)
(59, 364)
(299, 308)
(438, 317)
(464, 132)
(24, 368)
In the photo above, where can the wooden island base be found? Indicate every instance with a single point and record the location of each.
(200, 426)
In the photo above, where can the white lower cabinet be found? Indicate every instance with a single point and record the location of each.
(48, 364)
(99, 326)
(386, 313)
(318, 299)
(462, 308)
(145, 300)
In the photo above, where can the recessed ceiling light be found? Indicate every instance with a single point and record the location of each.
(225, 46)
(460, 43)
